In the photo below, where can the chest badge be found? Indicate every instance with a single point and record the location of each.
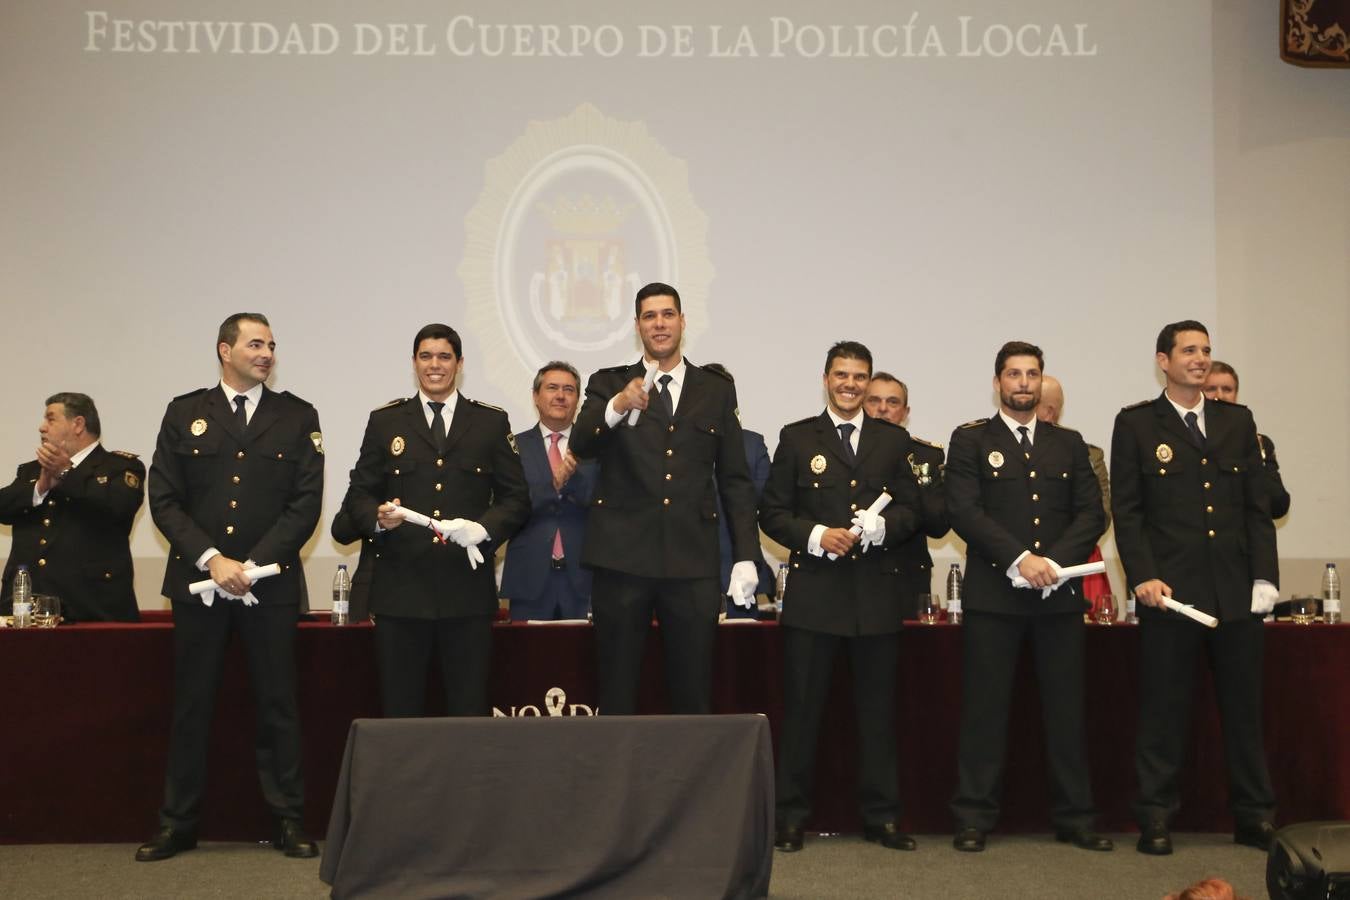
(1164, 453)
(316, 437)
(818, 464)
(995, 459)
(198, 427)
(398, 445)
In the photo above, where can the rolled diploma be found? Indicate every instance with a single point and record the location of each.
(441, 528)
(647, 381)
(1191, 612)
(882, 501)
(1092, 568)
(201, 587)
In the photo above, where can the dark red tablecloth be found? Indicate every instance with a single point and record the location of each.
(86, 709)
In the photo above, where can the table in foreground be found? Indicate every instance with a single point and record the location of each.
(606, 806)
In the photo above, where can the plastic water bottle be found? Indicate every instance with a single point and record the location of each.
(23, 598)
(342, 592)
(1131, 611)
(954, 594)
(1331, 595)
(780, 588)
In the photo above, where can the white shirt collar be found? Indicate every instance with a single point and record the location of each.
(450, 403)
(546, 431)
(253, 395)
(676, 374)
(1198, 409)
(77, 458)
(1013, 425)
(838, 420)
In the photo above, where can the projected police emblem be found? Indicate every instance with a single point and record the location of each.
(575, 216)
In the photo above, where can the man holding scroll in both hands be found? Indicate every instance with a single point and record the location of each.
(843, 587)
(236, 482)
(1022, 495)
(454, 460)
(667, 436)
(1192, 514)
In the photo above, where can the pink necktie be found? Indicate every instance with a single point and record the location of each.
(555, 462)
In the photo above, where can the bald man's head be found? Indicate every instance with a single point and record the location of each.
(1052, 400)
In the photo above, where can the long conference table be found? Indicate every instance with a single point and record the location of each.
(86, 712)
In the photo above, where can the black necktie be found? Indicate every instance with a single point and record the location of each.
(240, 416)
(437, 425)
(845, 435)
(1025, 441)
(1193, 425)
(663, 398)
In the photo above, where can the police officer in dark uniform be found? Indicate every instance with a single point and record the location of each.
(1222, 384)
(1192, 514)
(237, 479)
(888, 398)
(451, 458)
(827, 470)
(1022, 495)
(72, 509)
(652, 532)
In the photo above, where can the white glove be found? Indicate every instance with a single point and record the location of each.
(1264, 595)
(475, 556)
(209, 597)
(873, 528)
(466, 532)
(1019, 582)
(744, 579)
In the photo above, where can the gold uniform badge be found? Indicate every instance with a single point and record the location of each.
(1164, 453)
(131, 480)
(198, 427)
(818, 464)
(397, 445)
(511, 439)
(995, 459)
(317, 438)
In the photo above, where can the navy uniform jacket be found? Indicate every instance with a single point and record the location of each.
(478, 477)
(527, 568)
(811, 484)
(253, 496)
(76, 543)
(1197, 519)
(654, 509)
(1002, 504)
(916, 563)
(757, 459)
(1279, 496)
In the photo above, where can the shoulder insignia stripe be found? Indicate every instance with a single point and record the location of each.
(918, 440)
(973, 422)
(127, 453)
(1138, 405)
(395, 402)
(486, 405)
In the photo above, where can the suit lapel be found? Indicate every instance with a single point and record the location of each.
(87, 467)
(534, 451)
(265, 416)
(415, 421)
(459, 424)
(829, 437)
(868, 438)
(1170, 422)
(220, 411)
(1217, 422)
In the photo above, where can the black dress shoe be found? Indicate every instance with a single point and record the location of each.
(166, 843)
(788, 838)
(1258, 835)
(1083, 839)
(889, 835)
(291, 840)
(969, 840)
(1155, 840)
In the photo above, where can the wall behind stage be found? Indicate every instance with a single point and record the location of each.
(929, 181)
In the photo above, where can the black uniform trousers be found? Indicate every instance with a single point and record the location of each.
(1168, 651)
(200, 637)
(403, 650)
(808, 670)
(621, 612)
(991, 644)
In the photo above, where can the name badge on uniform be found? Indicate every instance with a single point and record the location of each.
(198, 427)
(995, 459)
(397, 445)
(818, 464)
(1164, 453)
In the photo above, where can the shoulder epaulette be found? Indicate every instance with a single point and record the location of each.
(1063, 428)
(295, 398)
(719, 373)
(395, 402)
(192, 393)
(918, 440)
(1141, 403)
(127, 453)
(485, 405)
(973, 422)
(612, 369)
(806, 421)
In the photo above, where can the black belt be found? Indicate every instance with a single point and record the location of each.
(558, 563)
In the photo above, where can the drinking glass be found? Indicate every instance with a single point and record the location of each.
(46, 610)
(1104, 610)
(930, 608)
(1303, 610)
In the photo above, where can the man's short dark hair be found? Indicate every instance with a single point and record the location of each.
(887, 376)
(79, 405)
(1167, 338)
(719, 369)
(229, 330)
(848, 350)
(1224, 368)
(656, 289)
(556, 365)
(1017, 348)
(437, 332)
